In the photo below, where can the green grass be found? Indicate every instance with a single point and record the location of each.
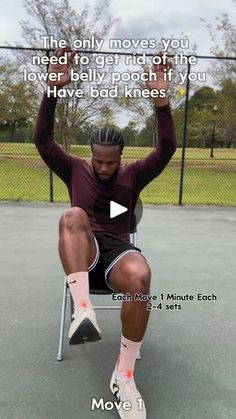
(84, 151)
(207, 181)
(201, 187)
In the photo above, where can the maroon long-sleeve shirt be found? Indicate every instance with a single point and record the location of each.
(86, 190)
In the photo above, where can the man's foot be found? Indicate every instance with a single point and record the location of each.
(123, 386)
(84, 327)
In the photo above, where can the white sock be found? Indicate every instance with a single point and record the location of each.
(129, 351)
(79, 287)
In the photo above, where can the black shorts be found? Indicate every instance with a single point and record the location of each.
(110, 249)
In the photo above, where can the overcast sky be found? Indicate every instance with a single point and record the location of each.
(138, 19)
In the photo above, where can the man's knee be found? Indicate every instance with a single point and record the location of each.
(74, 219)
(138, 278)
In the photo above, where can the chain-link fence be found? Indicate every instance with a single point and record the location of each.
(203, 101)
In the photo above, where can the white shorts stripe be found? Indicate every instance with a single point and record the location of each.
(96, 257)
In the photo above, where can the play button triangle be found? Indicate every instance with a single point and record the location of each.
(116, 209)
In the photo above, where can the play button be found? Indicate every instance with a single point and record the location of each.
(116, 209)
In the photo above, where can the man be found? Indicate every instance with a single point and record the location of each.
(95, 250)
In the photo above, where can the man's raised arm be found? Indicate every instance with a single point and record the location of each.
(53, 155)
(150, 167)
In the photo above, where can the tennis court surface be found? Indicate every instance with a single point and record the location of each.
(188, 361)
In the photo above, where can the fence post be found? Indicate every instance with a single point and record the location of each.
(51, 185)
(50, 171)
(181, 186)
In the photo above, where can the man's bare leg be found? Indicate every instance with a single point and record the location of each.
(131, 274)
(77, 251)
(76, 243)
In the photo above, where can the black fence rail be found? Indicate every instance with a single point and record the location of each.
(202, 97)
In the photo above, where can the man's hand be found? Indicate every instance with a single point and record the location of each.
(160, 83)
(61, 70)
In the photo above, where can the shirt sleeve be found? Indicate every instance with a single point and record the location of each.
(149, 168)
(52, 154)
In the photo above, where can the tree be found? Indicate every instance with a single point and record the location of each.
(178, 117)
(203, 98)
(59, 19)
(142, 107)
(146, 135)
(200, 128)
(210, 108)
(227, 100)
(223, 37)
(130, 134)
(106, 118)
(16, 101)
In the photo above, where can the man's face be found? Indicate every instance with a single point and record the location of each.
(105, 160)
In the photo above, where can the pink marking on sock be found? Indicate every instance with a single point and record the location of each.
(128, 354)
(129, 374)
(79, 287)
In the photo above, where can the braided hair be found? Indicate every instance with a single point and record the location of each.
(107, 137)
